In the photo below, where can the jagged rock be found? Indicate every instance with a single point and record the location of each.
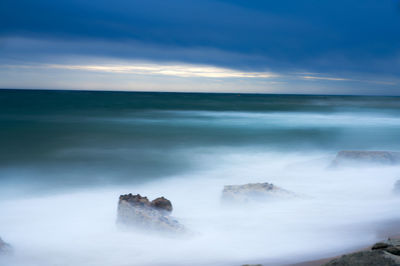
(396, 188)
(162, 204)
(366, 157)
(137, 211)
(4, 247)
(254, 192)
(364, 258)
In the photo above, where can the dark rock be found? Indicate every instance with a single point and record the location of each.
(4, 247)
(366, 157)
(380, 245)
(254, 192)
(393, 250)
(137, 211)
(365, 258)
(135, 199)
(162, 204)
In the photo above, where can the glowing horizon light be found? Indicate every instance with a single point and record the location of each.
(327, 78)
(176, 70)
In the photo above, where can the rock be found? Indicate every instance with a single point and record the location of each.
(4, 247)
(137, 211)
(380, 245)
(381, 254)
(254, 192)
(364, 258)
(393, 250)
(136, 200)
(391, 245)
(366, 157)
(396, 188)
(162, 204)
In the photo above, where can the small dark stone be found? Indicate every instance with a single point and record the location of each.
(380, 245)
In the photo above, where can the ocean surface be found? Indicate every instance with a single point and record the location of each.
(66, 156)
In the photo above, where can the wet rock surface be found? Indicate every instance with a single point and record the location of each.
(137, 211)
(254, 192)
(344, 158)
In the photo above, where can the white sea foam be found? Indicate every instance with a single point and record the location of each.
(346, 208)
(266, 119)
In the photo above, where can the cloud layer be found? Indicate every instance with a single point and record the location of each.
(342, 40)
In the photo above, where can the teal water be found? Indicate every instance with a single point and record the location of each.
(67, 139)
(65, 157)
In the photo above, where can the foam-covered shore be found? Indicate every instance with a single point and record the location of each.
(341, 214)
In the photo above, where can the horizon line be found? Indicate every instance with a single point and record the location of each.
(194, 92)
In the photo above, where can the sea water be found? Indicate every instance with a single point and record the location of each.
(66, 156)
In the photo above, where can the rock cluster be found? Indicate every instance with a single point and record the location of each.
(254, 192)
(364, 258)
(4, 247)
(381, 254)
(366, 157)
(390, 246)
(138, 211)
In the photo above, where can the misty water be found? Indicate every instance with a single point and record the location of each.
(66, 157)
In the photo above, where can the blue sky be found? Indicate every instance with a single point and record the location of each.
(309, 46)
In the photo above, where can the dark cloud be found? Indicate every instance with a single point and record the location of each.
(323, 36)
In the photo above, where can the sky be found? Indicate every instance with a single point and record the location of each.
(246, 46)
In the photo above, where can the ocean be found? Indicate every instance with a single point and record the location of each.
(66, 156)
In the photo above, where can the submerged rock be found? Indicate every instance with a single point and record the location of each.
(4, 247)
(396, 188)
(366, 157)
(138, 211)
(254, 192)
